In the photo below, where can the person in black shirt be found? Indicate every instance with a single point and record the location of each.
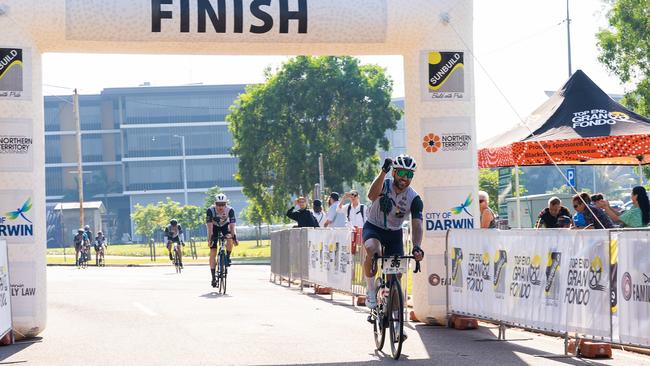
(301, 214)
(548, 217)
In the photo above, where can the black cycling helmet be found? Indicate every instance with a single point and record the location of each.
(173, 222)
(99, 233)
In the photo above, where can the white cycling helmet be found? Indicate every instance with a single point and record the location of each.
(404, 161)
(221, 198)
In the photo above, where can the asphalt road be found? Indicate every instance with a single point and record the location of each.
(152, 316)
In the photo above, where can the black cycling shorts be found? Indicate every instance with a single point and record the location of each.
(174, 240)
(391, 240)
(216, 230)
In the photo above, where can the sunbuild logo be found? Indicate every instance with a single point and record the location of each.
(16, 223)
(597, 117)
(457, 217)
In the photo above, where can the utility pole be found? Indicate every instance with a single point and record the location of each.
(80, 175)
(568, 35)
(184, 167)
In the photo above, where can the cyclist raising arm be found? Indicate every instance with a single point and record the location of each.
(220, 219)
(174, 234)
(392, 201)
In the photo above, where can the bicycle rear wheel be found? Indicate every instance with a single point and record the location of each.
(396, 318)
(379, 326)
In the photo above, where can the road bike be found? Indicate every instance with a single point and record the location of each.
(84, 256)
(389, 313)
(100, 261)
(177, 257)
(222, 265)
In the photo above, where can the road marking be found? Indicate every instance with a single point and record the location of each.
(145, 309)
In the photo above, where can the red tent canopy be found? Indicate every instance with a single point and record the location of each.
(579, 124)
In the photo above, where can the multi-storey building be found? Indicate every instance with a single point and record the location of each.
(132, 148)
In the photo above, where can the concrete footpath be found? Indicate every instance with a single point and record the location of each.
(153, 316)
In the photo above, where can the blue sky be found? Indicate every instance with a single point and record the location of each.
(521, 45)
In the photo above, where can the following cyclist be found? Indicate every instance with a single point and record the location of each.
(100, 245)
(79, 240)
(174, 234)
(220, 219)
(392, 201)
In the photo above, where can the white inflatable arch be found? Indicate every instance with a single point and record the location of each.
(433, 36)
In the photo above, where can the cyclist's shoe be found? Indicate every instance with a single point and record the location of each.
(371, 300)
(370, 319)
(214, 282)
(181, 265)
(404, 337)
(170, 256)
(227, 261)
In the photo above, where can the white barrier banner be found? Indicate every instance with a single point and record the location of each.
(634, 287)
(330, 258)
(5, 296)
(547, 279)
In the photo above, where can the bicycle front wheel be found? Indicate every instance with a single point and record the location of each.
(379, 326)
(221, 266)
(177, 262)
(396, 318)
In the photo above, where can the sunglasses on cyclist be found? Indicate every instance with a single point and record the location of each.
(220, 204)
(404, 173)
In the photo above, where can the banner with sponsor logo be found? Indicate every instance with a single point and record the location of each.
(16, 216)
(15, 73)
(555, 280)
(447, 143)
(330, 258)
(449, 208)
(5, 295)
(446, 76)
(634, 287)
(16, 139)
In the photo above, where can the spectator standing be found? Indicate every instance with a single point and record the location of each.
(334, 218)
(549, 216)
(301, 214)
(355, 212)
(594, 217)
(318, 213)
(488, 218)
(637, 216)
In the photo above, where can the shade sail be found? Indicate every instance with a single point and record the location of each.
(579, 124)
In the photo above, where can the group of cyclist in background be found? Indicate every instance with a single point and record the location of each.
(82, 243)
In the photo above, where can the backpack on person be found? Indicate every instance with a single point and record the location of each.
(363, 214)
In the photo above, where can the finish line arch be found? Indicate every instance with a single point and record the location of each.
(433, 37)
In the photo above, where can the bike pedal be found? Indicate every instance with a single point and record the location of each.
(370, 319)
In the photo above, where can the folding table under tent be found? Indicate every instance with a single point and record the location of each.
(579, 124)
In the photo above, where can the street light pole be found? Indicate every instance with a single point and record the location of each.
(184, 167)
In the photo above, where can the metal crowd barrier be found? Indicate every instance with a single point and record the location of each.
(613, 286)
(290, 261)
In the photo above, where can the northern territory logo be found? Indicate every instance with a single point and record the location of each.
(446, 75)
(15, 144)
(11, 70)
(10, 229)
(446, 142)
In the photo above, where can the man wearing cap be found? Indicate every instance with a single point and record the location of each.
(301, 214)
(318, 213)
(334, 218)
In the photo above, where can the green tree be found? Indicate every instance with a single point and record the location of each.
(625, 49)
(311, 105)
(146, 219)
(209, 196)
(488, 181)
(191, 217)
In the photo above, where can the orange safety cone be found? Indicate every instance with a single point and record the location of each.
(413, 317)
